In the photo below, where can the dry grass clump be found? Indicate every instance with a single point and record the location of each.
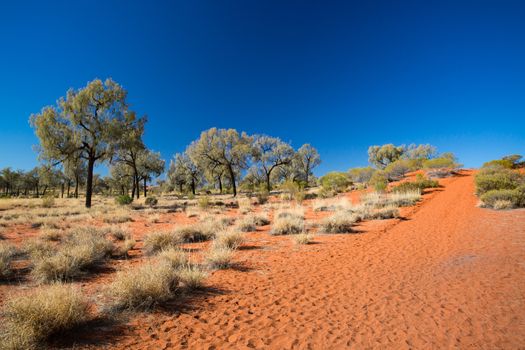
(245, 205)
(143, 287)
(118, 233)
(37, 248)
(117, 218)
(31, 318)
(219, 257)
(502, 204)
(7, 254)
(398, 199)
(122, 250)
(157, 241)
(229, 239)
(154, 218)
(389, 212)
(302, 238)
(83, 249)
(247, 224)
(50, 234)
(340, 222)
(288, 221)
(191, 276)
(174, 257)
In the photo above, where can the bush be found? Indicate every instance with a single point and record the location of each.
(340, 222)
(7, 255)
(175, 257)
(201, 232)
(302, 238)
(122, 250)
(442, 162)
(335, 181)
(503, 204)
(143, 287)
(191, 276)
(420, 184)
(219, 257)
(151, 201)
(397, 170)
(123, 199)
(157, 241)
(247, 224)
(262, 197)
(361, 175)
(516, 197)
(287, 222)
(204, 202)
(388, 212)
(499, 163)
(488, 179)
(31, 318)
(229, 239)
(48, 202)
(379, 181)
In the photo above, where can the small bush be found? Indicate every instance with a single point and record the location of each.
(119, 233)
(175, 257)
(191, 276)
(247, 224)
(488, 179)
(143, 287)
(335, 181)
(219, 257)
(340, 222)
(441, 162)
(389, 212)
(502, 204)
(7, 255)
(123, 199)
(302, 238)
(122, 250)
(361, 175)
(117, 218)
(53, 235)
(31, 318)
(204, 231)
(151, 201)
(286, 224)
(230, 239)
(157, 241)
(48, 202)
(420, 184)
(513, 196)
(379, 181)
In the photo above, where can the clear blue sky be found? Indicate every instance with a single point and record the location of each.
(340, 75)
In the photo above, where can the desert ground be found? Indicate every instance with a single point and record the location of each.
(444, 274)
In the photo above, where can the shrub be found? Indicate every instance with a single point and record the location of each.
(30, 319)
(247, 224)
(499, 163)
(201, 232)
(204, 202)
(488, 179)
(219, 257)
(502, 204)
(48, 202)
(379, 181)
(175, 257)
(191, 276)
(230, 239)
(151, 201)
(441, 162)
(123, 199)
(83, 249)
(389, 212)
(302, 238)
(7, 255)
(287, 222)
(361, 175)
(404, 198)
(397, 170)
(335, 181)
(143, 287)
(51, 234)
(515, 196)
(420, 184)
(123, 249)
(157, 241)
(340, 222)
(262, 197)
(118, 233)
(117, 218)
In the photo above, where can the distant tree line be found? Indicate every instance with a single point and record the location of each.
(225, 159)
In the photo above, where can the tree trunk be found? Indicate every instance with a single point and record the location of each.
(89, 182)
(268, 186)
(62, 189)
(220, 184)
(180, 187)
(68, 187)
(193, 187)
(145, 189)
(37, 191)
(232, 177)
(133, 187)
(76, 185)
(44, 192)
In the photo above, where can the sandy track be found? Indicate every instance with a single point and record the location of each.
(448, 276)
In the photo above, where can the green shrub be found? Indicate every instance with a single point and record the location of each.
(151, 201)
(335, 181)
(420, 184)
(442, 162)
(379, 181)
(361, 175)
(397, 170)
(497, 178)
(123, 199)
(491, 197)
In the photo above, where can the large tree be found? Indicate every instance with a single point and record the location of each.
(183, 171)
(381, 156)
(90, 121)
(149, 166)
(223, 148)
(271, 153)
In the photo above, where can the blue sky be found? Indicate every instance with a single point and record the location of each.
(340, 75)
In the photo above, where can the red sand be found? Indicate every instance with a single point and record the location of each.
(448, 275)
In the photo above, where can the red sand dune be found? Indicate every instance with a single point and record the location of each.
(448, 275)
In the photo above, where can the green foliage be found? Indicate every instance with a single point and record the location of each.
(123, 199)
(420, 184)
(381, 156)
(397, 170)
(361, 175)
(151, 201)
(379, 181)
(499, 163)
(335, 181)
(491, 197)
(441, 162)
(497, 178)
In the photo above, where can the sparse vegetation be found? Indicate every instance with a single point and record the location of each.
(219, 257)
(191, 276)
(7, 254)
(302, 238)
(163, 240)
(175, 257)
(340, 222)
(229, 238)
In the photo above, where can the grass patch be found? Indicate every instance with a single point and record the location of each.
(219, 257)
(340, 222)
(31, 318)
(191, 276)
(7, 254)
(157, 241)
(302, 238)
(174, 257)
(229, 239)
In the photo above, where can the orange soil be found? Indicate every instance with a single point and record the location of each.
(445, 275)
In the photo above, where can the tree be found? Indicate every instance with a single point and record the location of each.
(270, 153)
(149, 166)
(223, 147)
(361, 175)
(414, 151)
(183, 171)
(381, 156)
(308, 158)
(89, 121)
